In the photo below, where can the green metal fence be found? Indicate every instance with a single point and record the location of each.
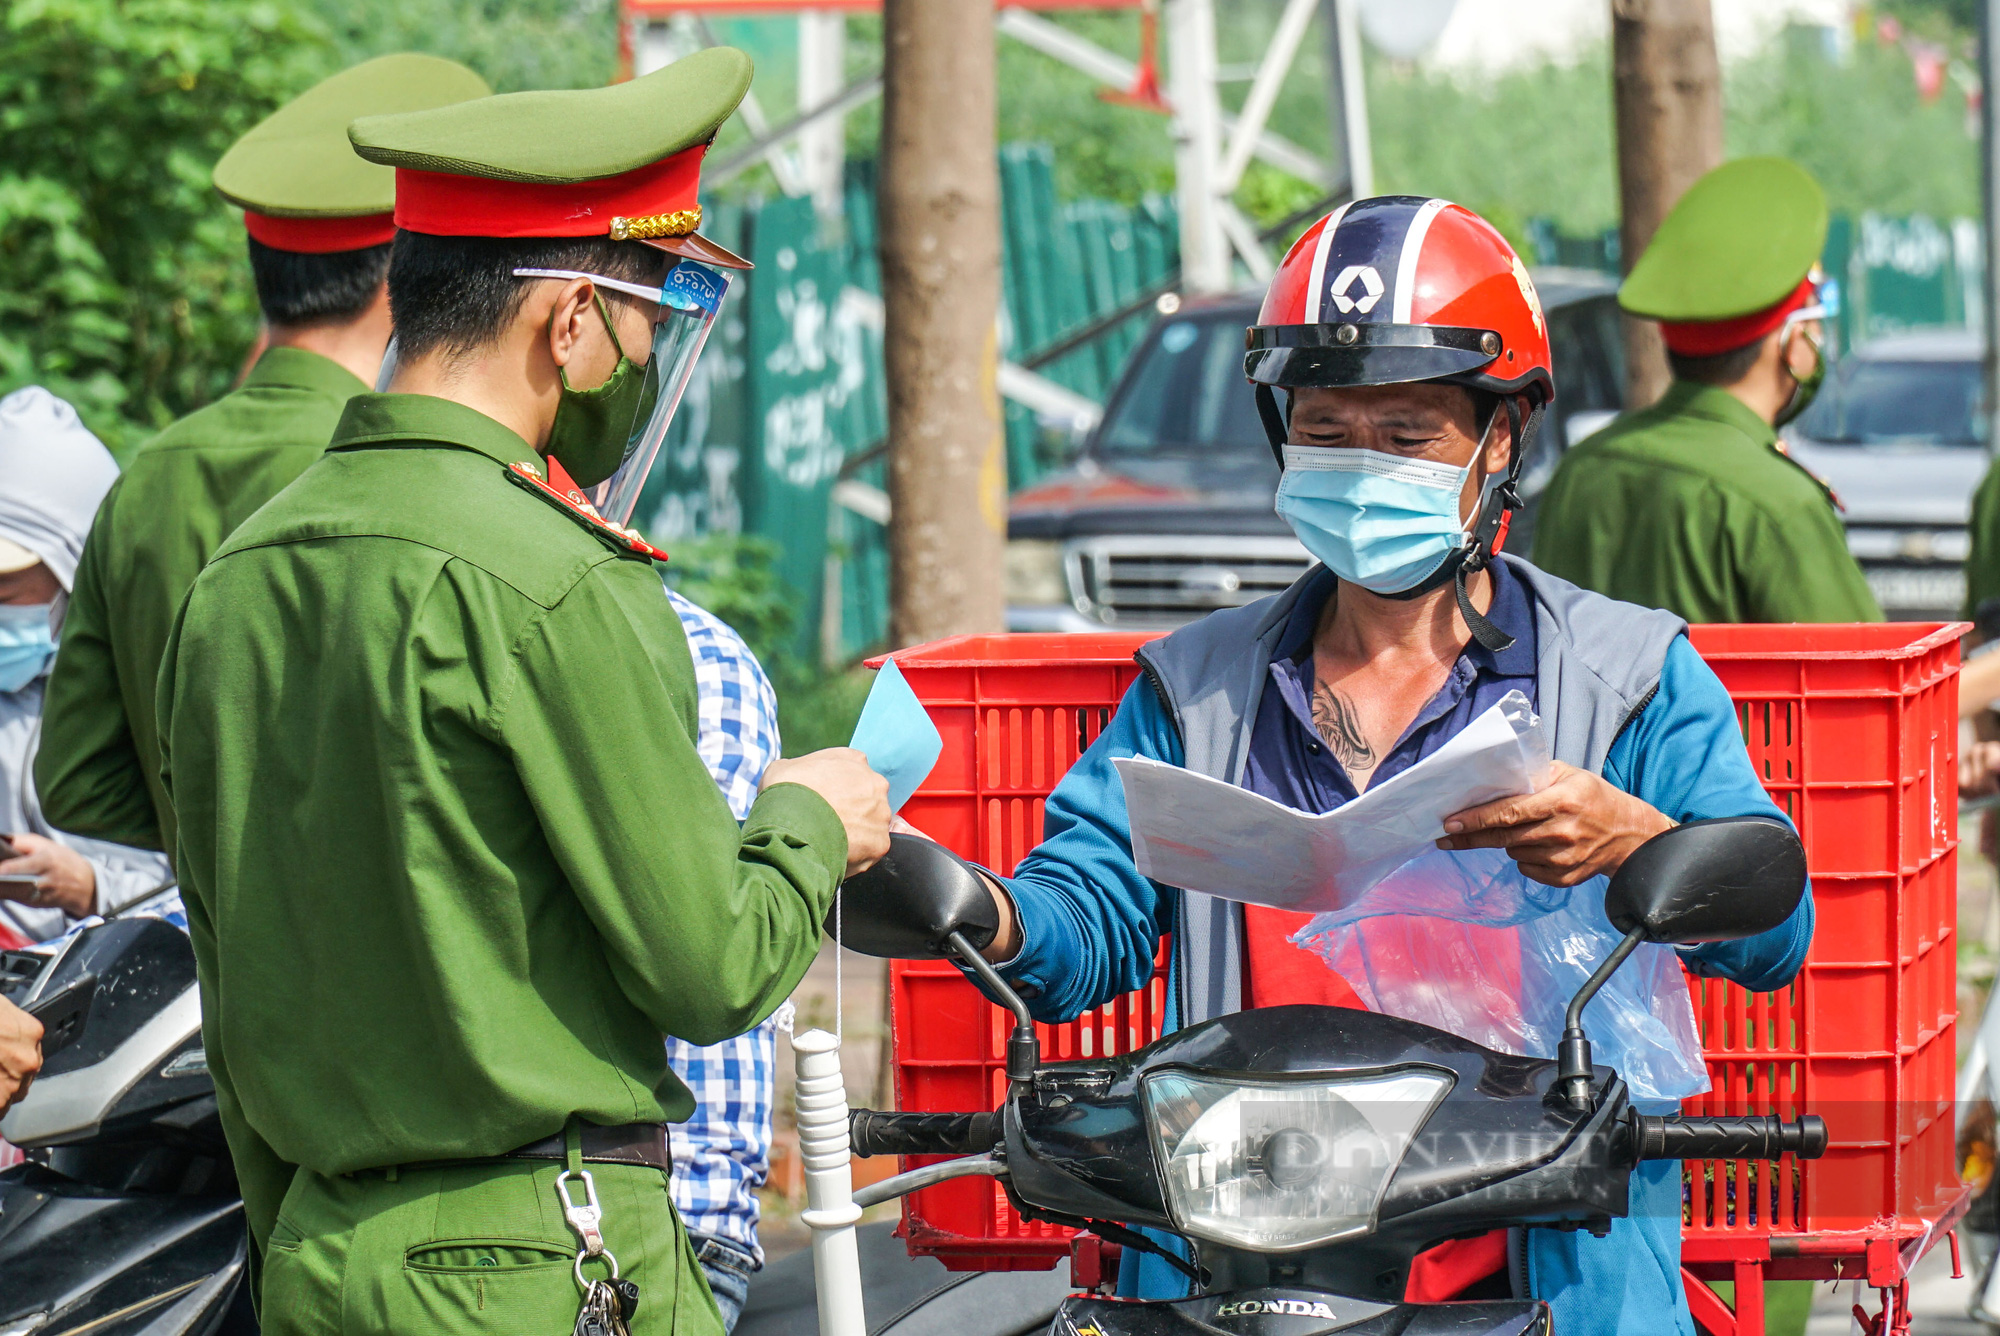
(779, 434)
(1062, 266)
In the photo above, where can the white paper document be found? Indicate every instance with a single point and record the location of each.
(1204, 835)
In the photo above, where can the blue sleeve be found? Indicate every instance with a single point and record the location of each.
(1090, 924)
(1684, 755)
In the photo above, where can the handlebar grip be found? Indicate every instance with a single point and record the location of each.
(874, 1133)
(1748, 1138)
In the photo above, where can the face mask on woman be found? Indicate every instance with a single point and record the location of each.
(26, 644)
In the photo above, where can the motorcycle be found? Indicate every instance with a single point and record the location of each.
(125, 1217)
(1306, 1154)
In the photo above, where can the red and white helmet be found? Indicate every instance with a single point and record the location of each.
(1395, 289)
(1398, 288)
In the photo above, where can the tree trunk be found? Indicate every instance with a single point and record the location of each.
(940, 218)
(1667, 87)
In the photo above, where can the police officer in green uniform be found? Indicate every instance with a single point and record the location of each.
(319, 232)
(1982, 563)
(1692, 504)
(452, 864)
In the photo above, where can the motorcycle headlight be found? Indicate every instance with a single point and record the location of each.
(1281, 1165)
(1035, 573)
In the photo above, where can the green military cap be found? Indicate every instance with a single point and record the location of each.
(622, 162)
(296, 177)
(295, 173)
(1740, 240)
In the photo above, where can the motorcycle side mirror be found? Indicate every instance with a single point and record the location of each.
(907, 906)
(922, 901)
(1703, 881)
(1709, 881)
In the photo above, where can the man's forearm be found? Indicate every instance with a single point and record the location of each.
(1006, 943)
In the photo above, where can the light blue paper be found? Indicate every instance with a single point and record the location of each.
(897, 734)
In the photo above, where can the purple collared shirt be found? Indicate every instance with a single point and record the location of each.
(1289, 763)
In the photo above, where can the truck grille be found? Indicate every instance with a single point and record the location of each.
(1913, 571)
(1149, 582)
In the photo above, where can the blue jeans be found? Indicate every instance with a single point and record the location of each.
(728, 1270)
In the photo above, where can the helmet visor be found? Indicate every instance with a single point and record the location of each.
(1341, 356)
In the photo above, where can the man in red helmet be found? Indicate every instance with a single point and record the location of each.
(1401, 365)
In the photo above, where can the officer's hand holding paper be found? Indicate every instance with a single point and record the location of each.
(1204, 835)
(897, 735)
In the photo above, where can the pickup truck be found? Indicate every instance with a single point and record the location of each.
(1899, 436)
(1166, 512)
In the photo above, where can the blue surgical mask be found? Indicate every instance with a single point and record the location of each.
(26, 644)
(1376, 521)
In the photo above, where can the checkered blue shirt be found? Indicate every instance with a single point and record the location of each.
(723, 1153)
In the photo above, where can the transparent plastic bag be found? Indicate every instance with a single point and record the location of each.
(1462, 941)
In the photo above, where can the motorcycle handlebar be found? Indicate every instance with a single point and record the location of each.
(875, 1133)
(1747, 1138)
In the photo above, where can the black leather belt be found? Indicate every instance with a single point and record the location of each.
(633, 1143)
(643, 1144)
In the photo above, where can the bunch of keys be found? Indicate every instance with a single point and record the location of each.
(608, 1305)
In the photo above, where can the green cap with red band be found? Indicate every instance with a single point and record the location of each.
(295, 175)
(622, 162)
(1732, 257)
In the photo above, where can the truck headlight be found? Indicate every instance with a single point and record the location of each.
(1281, 1165)
(1035, 572)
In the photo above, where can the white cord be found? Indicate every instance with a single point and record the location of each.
(839, 993)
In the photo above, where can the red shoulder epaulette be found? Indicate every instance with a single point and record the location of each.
(1825, 486)
(577, 506)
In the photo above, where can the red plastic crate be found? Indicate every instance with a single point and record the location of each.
(1854, 730)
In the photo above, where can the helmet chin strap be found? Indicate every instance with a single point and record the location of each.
(1488, 534)
(1276, 429)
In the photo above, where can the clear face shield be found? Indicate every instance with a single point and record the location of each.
(688, 300)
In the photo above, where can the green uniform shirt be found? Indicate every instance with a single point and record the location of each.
(1690, 506)
(97, 771)
(1982, 564)
(452, 866)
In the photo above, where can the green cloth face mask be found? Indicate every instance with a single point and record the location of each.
(1808, 386)
(593, 428)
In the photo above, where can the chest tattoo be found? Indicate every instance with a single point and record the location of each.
(1339, 726)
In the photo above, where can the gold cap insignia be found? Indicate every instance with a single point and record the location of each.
(676, 224)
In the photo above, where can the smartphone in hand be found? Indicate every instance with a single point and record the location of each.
(7, 851)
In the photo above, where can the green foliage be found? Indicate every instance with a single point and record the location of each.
(735, 576)
(516, 44)
(1539, 142)
(122, 282)
(1859, 126)
(123, 286)
(1530, 143)
(818, 709)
